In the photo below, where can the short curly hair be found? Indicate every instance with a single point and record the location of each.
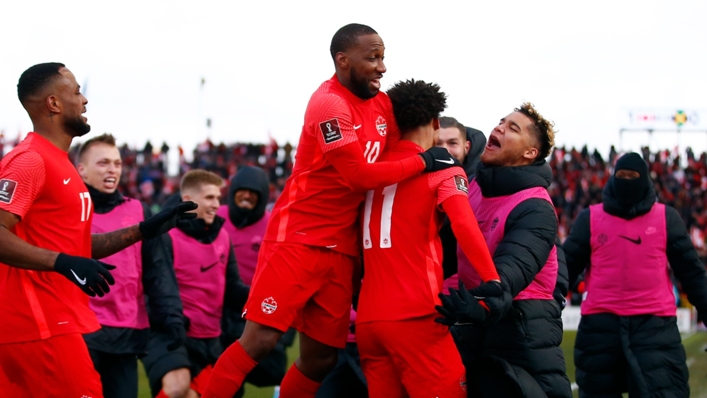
(542, 128)
(416, 103)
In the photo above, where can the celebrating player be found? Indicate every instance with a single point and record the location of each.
(45, 225)
(403, 351)
(311, 248)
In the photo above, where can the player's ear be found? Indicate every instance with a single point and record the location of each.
(342, 60)
(53, 104)
(82, 170)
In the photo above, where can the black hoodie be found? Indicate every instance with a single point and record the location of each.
(255, 179)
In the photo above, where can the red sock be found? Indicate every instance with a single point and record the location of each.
(229, 372)
(297, 385)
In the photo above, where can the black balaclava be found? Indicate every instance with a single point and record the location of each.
(630, 192)
(255, 179)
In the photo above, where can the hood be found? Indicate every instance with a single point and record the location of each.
(504, 181)
(629, 198)
(478, 142)
(255, 179)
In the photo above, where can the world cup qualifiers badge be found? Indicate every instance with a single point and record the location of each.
(269, 305)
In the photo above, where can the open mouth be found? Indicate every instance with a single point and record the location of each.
(110, 182)
(376, 83)
(493, 142)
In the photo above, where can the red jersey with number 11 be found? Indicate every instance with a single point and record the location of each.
(402, 250)
(317, 206)
(39, 184)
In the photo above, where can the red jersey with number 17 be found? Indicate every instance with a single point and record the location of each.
(402, 253)
(317, 207)
(39, 184)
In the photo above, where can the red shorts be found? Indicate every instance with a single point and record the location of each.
(305, 287)
(415, 358)
(59, 367)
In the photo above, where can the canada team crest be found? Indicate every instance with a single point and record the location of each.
(269, 305)
(381, 126)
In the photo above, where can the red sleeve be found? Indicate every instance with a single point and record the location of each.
(363, 176)
(332, 121)
(449, 182)
(466, 230)
(21, 180)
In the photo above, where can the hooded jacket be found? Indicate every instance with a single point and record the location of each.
(255, 179)
(524, 345)
(649, 345)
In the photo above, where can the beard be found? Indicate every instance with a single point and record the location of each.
(359, 84)
(76, 127)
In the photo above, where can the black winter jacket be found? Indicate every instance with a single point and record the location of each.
(648, 346)
(525, 344)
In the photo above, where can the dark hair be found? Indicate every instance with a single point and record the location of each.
(36, 78)
(542, 128)
(446, 122)
(346, 37)
(105, 138)
(416, 103)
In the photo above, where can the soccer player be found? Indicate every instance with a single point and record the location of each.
(245, 218)
(142, 273)
(46, 269)
(207, 275)
(513, 350)
(306, 264)
(403, 351)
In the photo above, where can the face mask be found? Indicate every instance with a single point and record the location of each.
(630, 192)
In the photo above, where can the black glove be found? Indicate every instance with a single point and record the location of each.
(178, 334)
(496, 297)
(90, 275)
(167, 219)
(438, 158)
(460, 307)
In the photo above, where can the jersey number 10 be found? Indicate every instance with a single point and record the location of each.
(386, 214)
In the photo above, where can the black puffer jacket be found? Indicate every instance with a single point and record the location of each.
(521, 353)
(649, 345)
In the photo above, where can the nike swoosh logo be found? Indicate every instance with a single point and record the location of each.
(357, 127)
(450, 161)
(81, 281)
(636, 241)
(208, 267)
(66, 181)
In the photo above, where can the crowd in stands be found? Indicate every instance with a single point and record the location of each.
(578, 179)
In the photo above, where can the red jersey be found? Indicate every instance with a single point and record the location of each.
(319, 205)
(402, 250)
(41, 186)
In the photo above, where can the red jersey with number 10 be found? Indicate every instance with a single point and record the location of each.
(402, 253)
(317, 207)
(43, 188)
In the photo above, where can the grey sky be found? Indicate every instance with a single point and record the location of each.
(143, 61)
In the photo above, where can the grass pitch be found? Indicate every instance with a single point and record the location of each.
(694, 347)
